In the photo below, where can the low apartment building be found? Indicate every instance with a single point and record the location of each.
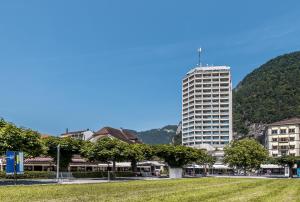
(283, 137)
(80, 135)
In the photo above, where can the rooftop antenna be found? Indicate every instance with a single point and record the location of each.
(199, 56)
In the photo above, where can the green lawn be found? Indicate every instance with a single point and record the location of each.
(204, 189)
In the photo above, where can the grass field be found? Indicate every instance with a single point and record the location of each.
(204, 189)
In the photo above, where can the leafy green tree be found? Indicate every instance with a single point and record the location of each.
(177, 156)
(2, 123)
(68, 148)
(245, 154)
(105, 150)
(138, 152)
(205, 159)
(287, 160)
(13, 138)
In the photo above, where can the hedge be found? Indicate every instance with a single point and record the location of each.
(52, 175)
(30, 175)
(101, 174)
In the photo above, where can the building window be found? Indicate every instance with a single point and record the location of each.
(292, 130)
(274, 147)
(275, 155)
(292, 139)
(274, 139)
(282, 131)
(292, 146)
(274, 132)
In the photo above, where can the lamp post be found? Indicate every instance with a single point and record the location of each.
(57, 162)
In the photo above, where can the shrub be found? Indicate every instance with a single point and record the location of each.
(101, 174)
(30, 175)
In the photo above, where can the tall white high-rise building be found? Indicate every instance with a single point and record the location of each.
(207, 107)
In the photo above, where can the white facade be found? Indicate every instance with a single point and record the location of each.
(81, 135)
(283, 138)
(207, 107)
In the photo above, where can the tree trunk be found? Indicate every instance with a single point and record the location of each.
(205, 170)
(245, 171)
(114, 166)
(134, 165)
(290, 172)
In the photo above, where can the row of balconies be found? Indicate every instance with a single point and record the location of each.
(209, 85)
(207, 121)
(199, 82)
(224, 76)
(206, 131)
(201, 79)
(214, 111)
(204, 93)
(201, 75)
(205, 139)
(220, 106)
(283, 139)
(205, 99)
(205, 89)
(214, 115)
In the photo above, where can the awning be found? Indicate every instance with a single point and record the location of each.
(270, 166)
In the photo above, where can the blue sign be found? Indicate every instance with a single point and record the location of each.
(14, 160)
(298, 172)
(10, 162)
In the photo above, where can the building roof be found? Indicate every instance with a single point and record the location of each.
(121, 134)
(208, 68)
(290, 121)
(45, 135)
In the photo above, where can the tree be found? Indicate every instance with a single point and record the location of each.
(287, 160)
(105, 150)
(2, 123)
(178, 156)
(137, 152)
(68, 148)
(245, 154)
(206, 160)
(13, 138)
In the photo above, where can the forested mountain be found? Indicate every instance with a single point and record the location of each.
(270, 93)
(158, 136)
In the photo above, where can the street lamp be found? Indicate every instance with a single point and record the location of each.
(57, 162)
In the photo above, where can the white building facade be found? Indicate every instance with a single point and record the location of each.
(207, 107)
(283, 137)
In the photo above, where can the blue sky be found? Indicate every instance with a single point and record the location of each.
(88, 64)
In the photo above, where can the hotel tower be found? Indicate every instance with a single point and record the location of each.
(207, 107)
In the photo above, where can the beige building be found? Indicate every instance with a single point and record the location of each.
(283, 137)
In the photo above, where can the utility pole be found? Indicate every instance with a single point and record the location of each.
(57, 162)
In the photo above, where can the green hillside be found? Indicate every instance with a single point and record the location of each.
(270, 93)
(158, 136)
